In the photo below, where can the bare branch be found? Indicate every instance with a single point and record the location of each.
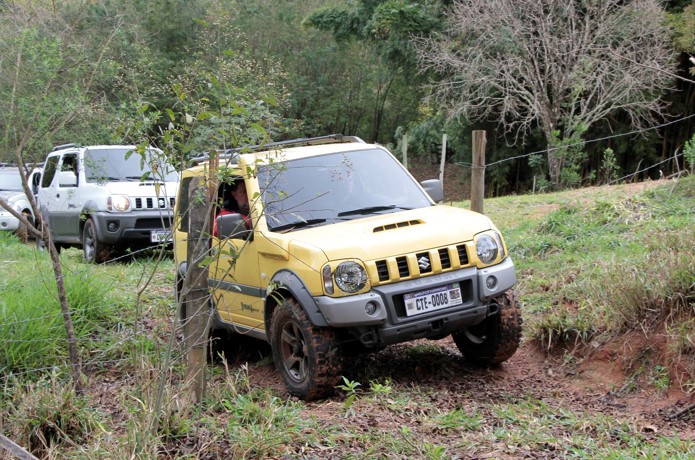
(562, 65)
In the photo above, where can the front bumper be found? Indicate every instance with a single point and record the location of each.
(131, 228)
(389, 322)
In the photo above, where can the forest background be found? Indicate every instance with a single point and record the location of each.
(228, 73)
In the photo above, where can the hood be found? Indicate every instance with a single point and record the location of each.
(137, 188)
(393, 234)
(11, 196)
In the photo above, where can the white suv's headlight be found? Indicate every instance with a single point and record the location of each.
(486, 248)
(119, 203)
(350, 277)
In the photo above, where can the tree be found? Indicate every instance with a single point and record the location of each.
(47, 72)
(557, 65)
(383, 77)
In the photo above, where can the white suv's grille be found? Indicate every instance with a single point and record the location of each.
(413, 265)
(154, 203)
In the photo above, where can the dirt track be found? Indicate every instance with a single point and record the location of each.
(436, 372)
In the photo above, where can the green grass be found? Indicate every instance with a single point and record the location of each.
(32, 329)
(46, 414)
(602, 263)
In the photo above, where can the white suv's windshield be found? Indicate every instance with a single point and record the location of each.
(111, 164)
(10, 180)
(331, 188)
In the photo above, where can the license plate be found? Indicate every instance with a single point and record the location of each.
(160, 236)
(417, 303)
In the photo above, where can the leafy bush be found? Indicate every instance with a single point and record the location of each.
(689, 154)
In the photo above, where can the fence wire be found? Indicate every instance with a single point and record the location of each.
(591, 141)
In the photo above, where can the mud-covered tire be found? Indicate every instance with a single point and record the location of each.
(306, 356)
(497, 338)
(94, 250)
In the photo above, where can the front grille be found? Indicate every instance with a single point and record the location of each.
(444, 258)
(154, 203)
(423, 263)
(403, 269)
(462, 253)
(382, 270)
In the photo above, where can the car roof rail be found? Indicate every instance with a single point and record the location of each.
(232, 153)
(64, 146)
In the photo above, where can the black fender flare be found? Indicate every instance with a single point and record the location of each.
(86, 213)
(285, 280)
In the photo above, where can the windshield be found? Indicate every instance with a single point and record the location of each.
(10, 180)
(118, 165)
(336, 187)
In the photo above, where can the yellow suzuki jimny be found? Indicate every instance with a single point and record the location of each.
(341, 250)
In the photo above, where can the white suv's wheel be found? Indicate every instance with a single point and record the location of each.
(94, 250)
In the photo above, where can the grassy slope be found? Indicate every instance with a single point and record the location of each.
(600, 263)
(594, 265)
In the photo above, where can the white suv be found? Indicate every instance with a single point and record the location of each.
(107, 199)
(12, 192)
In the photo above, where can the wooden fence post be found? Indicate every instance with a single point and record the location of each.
(196, 290)
(405, 150)
(478, 171)
(15, 450)
(443, 161)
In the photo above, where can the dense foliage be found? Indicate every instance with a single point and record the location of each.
(231, 72)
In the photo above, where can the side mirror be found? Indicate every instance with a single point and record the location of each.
(233, 226)
(67, 179)
(434, 189)
(35, 181)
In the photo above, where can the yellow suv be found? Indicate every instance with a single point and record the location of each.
(343, 251)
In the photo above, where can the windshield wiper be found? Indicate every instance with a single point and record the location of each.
(99, 179)
(369, 210)
(297, 224)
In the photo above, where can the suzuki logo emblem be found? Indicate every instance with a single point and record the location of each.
(423, 262)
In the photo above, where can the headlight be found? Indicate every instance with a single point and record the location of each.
(350, 277)
(486, 248)
(500, 244)
(119, 203)
(327, 279)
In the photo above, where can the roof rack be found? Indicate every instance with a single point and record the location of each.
(64, 146)
(329, 139)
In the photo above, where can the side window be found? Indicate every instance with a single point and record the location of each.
(69, 164)
(182, 204)
(49, 171)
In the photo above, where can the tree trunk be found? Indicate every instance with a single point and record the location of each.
(554, 166)
(196, 290)
(65, 308)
